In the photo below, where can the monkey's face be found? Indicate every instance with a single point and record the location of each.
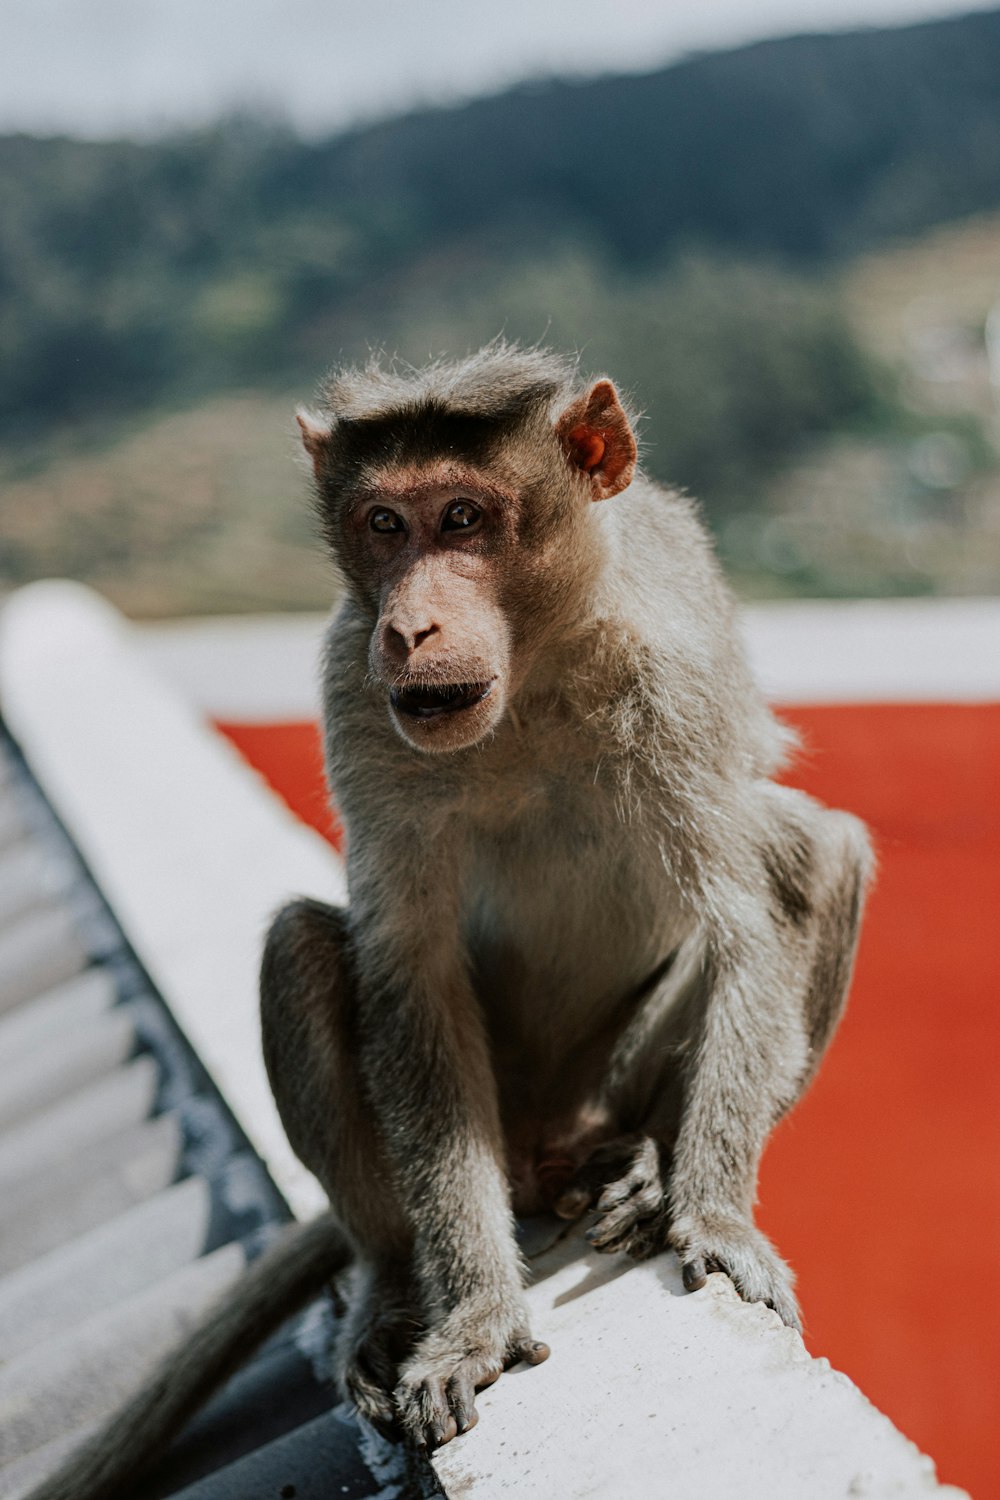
(432, 556)
(465, 540)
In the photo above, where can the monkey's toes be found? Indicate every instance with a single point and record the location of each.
(424, 1410)
(435, 1406)
(370, 1401)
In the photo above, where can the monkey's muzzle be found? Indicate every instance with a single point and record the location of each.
(445, 698)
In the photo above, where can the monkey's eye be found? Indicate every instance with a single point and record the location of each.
(385, 520)
(461, 515)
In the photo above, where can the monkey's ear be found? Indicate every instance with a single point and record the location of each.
(598, 440)
(315, 435)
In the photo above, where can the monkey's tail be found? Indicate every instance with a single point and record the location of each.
(271, 1289)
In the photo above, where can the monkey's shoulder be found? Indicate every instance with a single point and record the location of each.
(663, 699)
(662, 531)
(668, 673)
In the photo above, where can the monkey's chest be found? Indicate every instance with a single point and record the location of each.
(566, 916)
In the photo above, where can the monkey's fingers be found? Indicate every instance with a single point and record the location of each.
(434, 1408)
(614, 1232)
(642, 1176)
(694, 1274)
(531, 1351)
(626, 1215)
(618, 1162)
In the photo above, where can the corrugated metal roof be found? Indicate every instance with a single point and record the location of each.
(130, 1201)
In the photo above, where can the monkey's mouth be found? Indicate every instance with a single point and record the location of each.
(444, 698)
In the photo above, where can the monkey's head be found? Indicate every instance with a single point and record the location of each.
(455, 500)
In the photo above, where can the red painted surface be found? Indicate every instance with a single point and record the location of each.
(290, 757)
(883, 1187)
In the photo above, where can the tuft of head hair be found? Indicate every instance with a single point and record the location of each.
(501, 382)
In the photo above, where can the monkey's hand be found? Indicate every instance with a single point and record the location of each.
(624, 1182)
(732, 1244)
(435, 1397)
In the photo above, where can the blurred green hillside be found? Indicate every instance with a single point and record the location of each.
(731, 238)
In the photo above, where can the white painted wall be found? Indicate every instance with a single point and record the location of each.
(264, 668)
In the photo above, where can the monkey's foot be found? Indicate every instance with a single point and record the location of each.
(367, 1367)
(435, 1397)
(716, 1242)
(369, 1393)
(622, 1180)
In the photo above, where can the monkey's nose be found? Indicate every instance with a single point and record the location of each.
(402, 642)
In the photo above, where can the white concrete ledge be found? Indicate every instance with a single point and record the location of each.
(649, 1392)
(653, 1393)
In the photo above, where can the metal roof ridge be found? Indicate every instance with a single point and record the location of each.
(131, 768)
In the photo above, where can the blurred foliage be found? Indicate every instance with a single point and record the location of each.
(737, 363)
(682, 230)
(133, 270)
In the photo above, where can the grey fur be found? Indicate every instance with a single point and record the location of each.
(496, 381)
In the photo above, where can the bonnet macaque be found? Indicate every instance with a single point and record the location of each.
(593, 951)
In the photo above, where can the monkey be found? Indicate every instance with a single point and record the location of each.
(593, 949)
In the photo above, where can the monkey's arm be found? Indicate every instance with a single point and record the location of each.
(766, 978)
(748, 1064)
(719, 1071)
(426, 1068)
(782, 909)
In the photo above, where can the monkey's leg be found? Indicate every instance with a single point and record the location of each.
(306, 997)
(380, 1326)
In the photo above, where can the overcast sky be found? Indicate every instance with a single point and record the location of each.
(98, 67)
